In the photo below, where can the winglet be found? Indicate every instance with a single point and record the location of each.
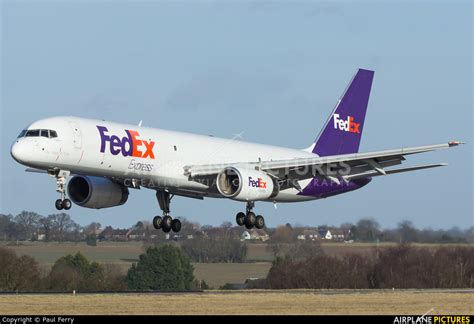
(455, 143)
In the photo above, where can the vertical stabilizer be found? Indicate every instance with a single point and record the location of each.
(343, 130)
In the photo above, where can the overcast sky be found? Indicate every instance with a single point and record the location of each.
(269, 70)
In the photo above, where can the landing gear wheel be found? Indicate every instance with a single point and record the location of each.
(66, 204)
(166, 224)
(249, 220)
(157, 222)
(240, 219)
(59, 204)
(176, 225)
(259, 222)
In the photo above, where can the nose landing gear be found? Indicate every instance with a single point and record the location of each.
(63, 202)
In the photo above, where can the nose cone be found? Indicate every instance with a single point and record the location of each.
(20, 152)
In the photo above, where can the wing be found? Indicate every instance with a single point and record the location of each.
(335, 168)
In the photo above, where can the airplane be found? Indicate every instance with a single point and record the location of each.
(106, 159)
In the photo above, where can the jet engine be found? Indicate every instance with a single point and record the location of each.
(96, 192)
(246, 184)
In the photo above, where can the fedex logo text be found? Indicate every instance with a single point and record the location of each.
(129, 145)
(259, 183)
(348, 125)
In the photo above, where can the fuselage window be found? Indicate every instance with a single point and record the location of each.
(45, 133)
(32, 133)
(23, 132)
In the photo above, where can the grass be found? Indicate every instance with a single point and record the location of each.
(259, 302)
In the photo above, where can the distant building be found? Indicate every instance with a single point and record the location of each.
(338, 235)
(301, 237)
(255, 234)
(310, 234)
(324, 234)
(120, 234)
(109, 233)
(328, 235)
(136, 234)
(215, 232)
(245, 236)
(106, 233)
(259, 234)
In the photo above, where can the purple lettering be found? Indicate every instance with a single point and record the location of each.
(127, 140)
(115, 145)
(103, 138)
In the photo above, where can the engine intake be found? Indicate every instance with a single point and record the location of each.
(246, 184)
(96, 192)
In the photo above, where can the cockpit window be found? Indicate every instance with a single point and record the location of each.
(48, 133)
(23, 132)
(32, 133)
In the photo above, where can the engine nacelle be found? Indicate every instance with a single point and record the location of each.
(246, 184)
(96, 192)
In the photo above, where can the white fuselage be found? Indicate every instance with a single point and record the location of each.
(100, 148)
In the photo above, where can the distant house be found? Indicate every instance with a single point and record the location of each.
(136, 234)
(120, 234)
(215, 232)
(106, 233)
(259, 234)
(301, 237)
(177, 237)
(325, 234)
(328, 235)
(310, 234)
(40, 235)
(245, 236)
(109, 233)
(338, 235)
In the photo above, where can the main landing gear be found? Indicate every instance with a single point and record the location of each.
(63, 202)
(249, 219)
(166, 223)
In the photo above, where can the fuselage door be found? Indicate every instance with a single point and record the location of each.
(76, 130)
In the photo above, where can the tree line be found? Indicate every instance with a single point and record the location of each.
(369, 230)
(402, 266)
(26, 226)
(161, 268)
(29, 225)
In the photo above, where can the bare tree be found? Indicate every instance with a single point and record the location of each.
(92, 228)
(60, 224)
(407, 232)
(367, 230)
(29, 222)
(8, 228)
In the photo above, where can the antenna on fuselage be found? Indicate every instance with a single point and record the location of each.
(140, 123)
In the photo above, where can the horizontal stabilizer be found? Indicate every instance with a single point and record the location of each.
(374, 173)
(35, 170)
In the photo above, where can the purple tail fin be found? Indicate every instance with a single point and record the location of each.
(343, 130)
